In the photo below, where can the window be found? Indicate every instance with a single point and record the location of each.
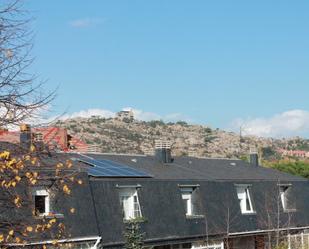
(286, 198)
(188, 197)
(129, 203)
(211, 245)
(41, 202)
(243, 194)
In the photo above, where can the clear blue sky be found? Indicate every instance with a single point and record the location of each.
(212, 61)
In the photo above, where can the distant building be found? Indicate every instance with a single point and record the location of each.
(55, 138)
(295, 153)
(125, 115)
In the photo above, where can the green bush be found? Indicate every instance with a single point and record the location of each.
(299, 168)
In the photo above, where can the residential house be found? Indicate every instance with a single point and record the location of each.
(179, 202)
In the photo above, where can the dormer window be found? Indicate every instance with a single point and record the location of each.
(129, 203)
(286, 198)
(186, 195)
(190, 198)
(41, 202)
(244, 197)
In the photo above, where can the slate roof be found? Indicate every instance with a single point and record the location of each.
(210, 169)
(162, 205)
(99, 211)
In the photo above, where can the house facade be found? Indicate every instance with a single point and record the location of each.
(198, 203)
(181, 202)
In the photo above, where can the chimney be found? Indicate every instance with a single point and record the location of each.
(38, 141)
(163, 151)
(25, 136)
(254, 158)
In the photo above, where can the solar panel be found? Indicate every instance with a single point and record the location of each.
(107, 168)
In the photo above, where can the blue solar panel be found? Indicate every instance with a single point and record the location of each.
(107, 168)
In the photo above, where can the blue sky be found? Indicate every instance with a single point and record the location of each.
(221, 63)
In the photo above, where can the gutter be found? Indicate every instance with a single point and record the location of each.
(267, 231)
(96, 243)
(80, 239)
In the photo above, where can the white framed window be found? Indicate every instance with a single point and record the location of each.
(129, 203)
(41, 202)
(244, 197)
(186, 195)
(211, 245)
(285, 197)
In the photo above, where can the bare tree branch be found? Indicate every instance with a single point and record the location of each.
(21, 96)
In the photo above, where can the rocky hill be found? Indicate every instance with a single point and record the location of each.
(137, 137)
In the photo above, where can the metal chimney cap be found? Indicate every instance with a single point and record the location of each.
(162, 144)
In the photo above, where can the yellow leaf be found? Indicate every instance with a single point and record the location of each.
(33, 160)
(66, 189)
(29, 229)
(80, 182)
(32, 148)
(5, 155)
(52, 221)
(11, 232)
(1, 238)
(33, 181)
(69, 163)
(59, 165)
(17, 178)
(38, 227)
(17, 201)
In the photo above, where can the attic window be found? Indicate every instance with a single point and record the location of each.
(244, 197)
(190, 200)
(286, 198)
(211, 245)
(129, 203)
(41, 202)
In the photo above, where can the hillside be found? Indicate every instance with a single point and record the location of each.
(124, 136)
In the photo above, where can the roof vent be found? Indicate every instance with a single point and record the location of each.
(163, 151)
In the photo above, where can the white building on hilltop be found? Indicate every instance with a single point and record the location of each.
(125, 115)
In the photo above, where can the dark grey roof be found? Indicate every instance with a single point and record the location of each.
(199, 168)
